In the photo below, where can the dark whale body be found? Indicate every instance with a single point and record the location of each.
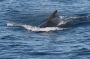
(55, 21)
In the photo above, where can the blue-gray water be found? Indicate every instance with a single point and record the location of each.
(18, 43)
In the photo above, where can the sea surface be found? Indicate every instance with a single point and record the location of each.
(22, 43)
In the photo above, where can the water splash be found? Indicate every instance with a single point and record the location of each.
(34, 28)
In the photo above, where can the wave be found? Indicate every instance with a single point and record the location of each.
(34, 28)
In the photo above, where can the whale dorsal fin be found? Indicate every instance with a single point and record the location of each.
(52, 20)
(53, 15)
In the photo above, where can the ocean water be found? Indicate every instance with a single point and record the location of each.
(17, 42)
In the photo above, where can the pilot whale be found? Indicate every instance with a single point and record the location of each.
(54, 20)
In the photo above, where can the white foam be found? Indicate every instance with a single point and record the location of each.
(61, 23)
(10, 24)
(46, 29)
(62, 17)
(36, 29)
